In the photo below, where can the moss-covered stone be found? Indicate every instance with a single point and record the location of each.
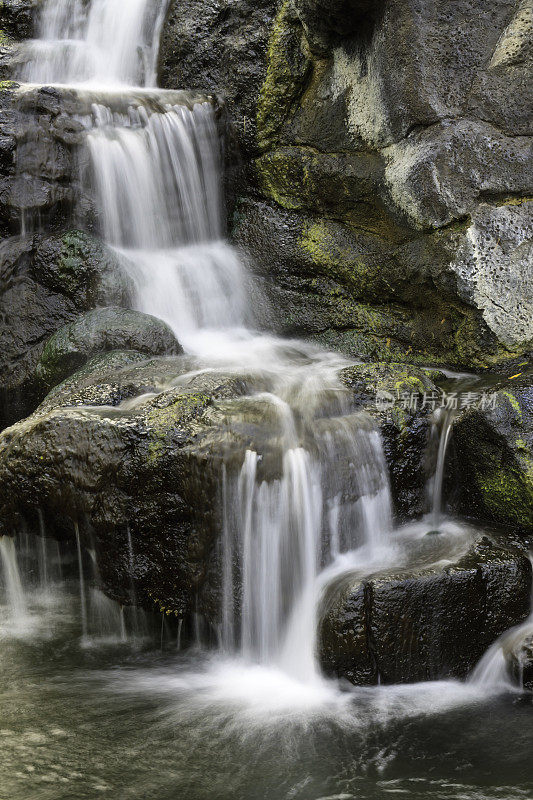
(350, 289)
(129, 441)
(494, 456)
(287, 69)
(81, 267)
(49, 281)
(400, 398)
(98, 331)
(184, 408)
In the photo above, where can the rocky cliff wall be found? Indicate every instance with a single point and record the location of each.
(387, 146)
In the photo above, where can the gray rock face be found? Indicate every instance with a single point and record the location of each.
(38, 174)
(99, 331)
(423, 624)
(494, 268)
(18, 17)
(424, 168)
(219, 47)
(17, 22)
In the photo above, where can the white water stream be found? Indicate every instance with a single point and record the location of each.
(101, 42)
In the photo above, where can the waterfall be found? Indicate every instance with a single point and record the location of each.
(156, 177)
(317, 485)
(81, 576)
(16, 597)
(96, 41)
(281, 532)
(438, 478)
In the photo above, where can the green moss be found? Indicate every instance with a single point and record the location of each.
(287, 67)
(334, 258)
(338, 186)
(184, 409)
(71, 265)
(515, 405)
(508, 495)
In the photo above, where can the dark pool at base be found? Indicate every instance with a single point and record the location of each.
(103, 721)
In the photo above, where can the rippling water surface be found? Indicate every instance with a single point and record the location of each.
(100, 718)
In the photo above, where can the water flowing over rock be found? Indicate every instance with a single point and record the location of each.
(94, 42)
(423, 624)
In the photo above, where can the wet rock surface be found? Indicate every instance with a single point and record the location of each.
(386, 390)
(521, 665)
(423, 624)
(151, 468)
(99, 331)
(39, 178)
(493, 451)
(47, 281)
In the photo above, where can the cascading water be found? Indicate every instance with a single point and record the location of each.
(156, 179)
(97, 41)
(16, 597)
(328, 498)
(318, 486)
(445, 418)
(502, 665)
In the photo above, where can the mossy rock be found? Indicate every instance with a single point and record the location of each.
(401, 398)
(80, 266)
(98, 331)
(49, 281)
(352, 290)
(493, 449)
(288, 67)
(129, 442)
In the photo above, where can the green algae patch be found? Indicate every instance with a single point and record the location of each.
(508, 495)
(287, 70)
(495, 452)
(334, 257)
(181, 416)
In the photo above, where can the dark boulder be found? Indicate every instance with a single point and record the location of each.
(150, 466)
(39, 176)
(423, 624)
(492, 448)
(46, 282)
(99, 331)
(401, 398)
(18, 18)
